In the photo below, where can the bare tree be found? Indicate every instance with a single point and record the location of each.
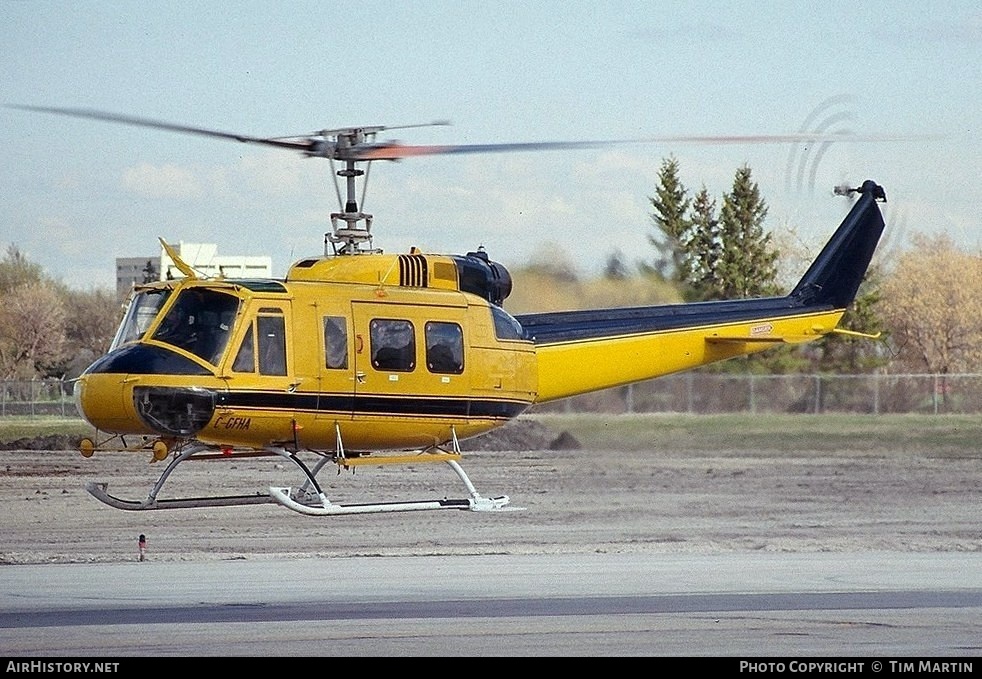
(932, 303)
(32, 330)
(16, 270)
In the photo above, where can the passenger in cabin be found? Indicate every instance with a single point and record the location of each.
(272, 357)
(391, 358)
(244, 361)
(175, 327)
(393, 345)
(440, 359)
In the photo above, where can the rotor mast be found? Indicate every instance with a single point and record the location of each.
(347, 237)
(351, 229)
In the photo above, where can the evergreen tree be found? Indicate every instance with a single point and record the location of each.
(747, 261)
(703, 248)
(669, 218)
(739, 261)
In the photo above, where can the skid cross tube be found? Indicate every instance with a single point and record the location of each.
(310, 500)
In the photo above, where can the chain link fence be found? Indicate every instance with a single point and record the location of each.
(696, 393)
(37, 398)
(713, 393)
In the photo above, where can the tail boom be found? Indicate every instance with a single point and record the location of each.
(579, 367)
(584, 351)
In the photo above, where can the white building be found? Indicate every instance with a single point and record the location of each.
(202, 257)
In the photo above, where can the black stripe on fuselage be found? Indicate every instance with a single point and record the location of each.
(567, 326)
(409, 406)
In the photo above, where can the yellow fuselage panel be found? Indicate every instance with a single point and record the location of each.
(385, 408)
(105, 400)
(578, 367)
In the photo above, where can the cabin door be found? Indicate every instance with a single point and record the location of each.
(385, 351)
(262, 378)
(411, 357)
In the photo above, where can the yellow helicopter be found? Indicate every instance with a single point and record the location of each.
(362, 357)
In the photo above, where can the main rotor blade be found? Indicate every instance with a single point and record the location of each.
(299, 144)
(397, 151)
(357, 150)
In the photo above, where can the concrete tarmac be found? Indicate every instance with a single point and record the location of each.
(735, 605)
(729, 553)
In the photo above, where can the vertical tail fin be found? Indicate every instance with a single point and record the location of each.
(835, 275)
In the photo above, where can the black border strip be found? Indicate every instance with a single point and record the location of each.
(373, 404)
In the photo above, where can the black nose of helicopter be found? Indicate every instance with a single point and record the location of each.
(127, 392)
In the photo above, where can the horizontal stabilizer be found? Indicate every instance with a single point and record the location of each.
(759, 339)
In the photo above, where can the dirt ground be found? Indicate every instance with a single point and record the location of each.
(573, 500)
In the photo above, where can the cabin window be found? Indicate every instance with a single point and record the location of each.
(444, 348)
(335, 342)
(393, 345)
(245, 359)
(271, 331)
(199, 321)
(140, 313)
(506, 327)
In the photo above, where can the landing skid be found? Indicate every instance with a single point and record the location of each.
(100, 490)
(309, 498)
(314, 503)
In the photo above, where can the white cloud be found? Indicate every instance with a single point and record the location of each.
(161, 181)
(274, 174)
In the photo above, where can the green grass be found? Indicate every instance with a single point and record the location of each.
(949, 435)
(13, 428)
(942, 435)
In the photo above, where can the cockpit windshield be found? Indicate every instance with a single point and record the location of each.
(199, 321)
(142, 310)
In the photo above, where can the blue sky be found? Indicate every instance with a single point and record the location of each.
(76, 194)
